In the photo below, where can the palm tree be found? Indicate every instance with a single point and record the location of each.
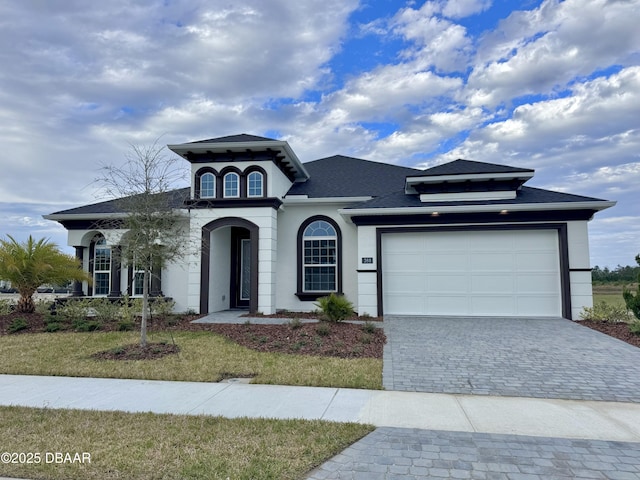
(33, 263)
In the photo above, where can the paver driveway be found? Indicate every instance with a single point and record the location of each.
(403, 453)
(523, 357)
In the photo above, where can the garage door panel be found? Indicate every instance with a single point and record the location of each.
(500, 305)
(406, 262)
(501, 272)
(445, 284)
(547, 284)
(406, 283)
(491, 262)
(489, 284)
(538, 261)
(446, 262)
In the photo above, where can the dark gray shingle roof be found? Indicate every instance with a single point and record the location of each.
(243, 137)
(341, 176)
(399, 199)
(175, 198)
(466, 167)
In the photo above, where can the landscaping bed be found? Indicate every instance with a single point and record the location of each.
(342, 340)
(619, 330)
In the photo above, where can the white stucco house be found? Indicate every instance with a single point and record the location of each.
(463, 238)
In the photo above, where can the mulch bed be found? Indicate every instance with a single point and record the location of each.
(344, 340)
(308, 316)
(137, 352)
(615, 330)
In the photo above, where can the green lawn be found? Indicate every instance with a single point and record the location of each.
(169, 447)
(609, 293)
(204, 357)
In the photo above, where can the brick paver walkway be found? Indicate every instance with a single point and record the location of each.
(543, 358)
(400, 453)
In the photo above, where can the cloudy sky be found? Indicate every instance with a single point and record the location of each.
(550, 85)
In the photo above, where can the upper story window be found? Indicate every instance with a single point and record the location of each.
(231, 185)
(208, 185)
(101, 268)
(255, 186)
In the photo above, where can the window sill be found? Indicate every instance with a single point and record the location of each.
(311, 296)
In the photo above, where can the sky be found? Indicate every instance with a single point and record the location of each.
(549, 85)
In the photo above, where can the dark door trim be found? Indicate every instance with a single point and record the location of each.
(238, 236)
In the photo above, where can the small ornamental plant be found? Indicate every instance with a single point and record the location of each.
(335, 308)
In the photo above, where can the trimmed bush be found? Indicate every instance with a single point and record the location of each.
(335, 307)
(368, 327)
(105, 310)
(5, 307)
(43, 307)
(17, 324)
(605, 312)
(74, 310)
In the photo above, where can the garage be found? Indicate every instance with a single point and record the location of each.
(472, 273)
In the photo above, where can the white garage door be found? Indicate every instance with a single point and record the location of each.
(498, 272)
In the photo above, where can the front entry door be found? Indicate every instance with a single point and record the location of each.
(240, 268)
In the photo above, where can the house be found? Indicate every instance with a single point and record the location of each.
(463, 238)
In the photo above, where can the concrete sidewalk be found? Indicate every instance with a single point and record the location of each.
(613, 421)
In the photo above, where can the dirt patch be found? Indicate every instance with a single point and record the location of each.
(344, 340)
(151, 351)
(616, 330)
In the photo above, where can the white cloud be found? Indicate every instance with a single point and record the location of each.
(464, 8)
(542, 50)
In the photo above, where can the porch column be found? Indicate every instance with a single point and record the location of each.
(116, 268)
(77, 285)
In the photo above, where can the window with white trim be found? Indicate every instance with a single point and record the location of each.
(319, 257)
(208, 185)
(231, 185)
(255, 184)
(101, 268)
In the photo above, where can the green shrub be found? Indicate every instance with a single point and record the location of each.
(83, 325)
(126, 325)
(605, 312)
(365, 338)
(130, 309)
(634, 327)
(633, 301)
(74, 310)
(323, 329)
(43, 307)
(5, 307)
(53, 327)
(369, 327)
(105, 310)
(162, 307)
(335, 307)
(17, 324)
(294, 323)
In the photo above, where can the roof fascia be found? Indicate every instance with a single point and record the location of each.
(183, 148)
(415, 179)
(586, 205)
(304, 200)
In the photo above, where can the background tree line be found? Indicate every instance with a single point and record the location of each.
(626, 274)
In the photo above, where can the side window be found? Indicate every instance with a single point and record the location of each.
(255, 186)
(208, 185)
(231, 185)
(101, 268)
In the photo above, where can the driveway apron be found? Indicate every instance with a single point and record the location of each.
(523, 357)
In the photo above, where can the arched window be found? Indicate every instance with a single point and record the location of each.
(319, 258)
(231, 185)
(255, 186)
(101, 267)
(208, 185)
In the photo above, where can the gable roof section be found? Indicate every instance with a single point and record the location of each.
(470, 167)
(341, 176)
(241, 138)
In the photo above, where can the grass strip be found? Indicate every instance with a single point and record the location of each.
(203, 357)
(151, 446)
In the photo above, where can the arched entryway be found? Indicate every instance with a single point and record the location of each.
(229, 265)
